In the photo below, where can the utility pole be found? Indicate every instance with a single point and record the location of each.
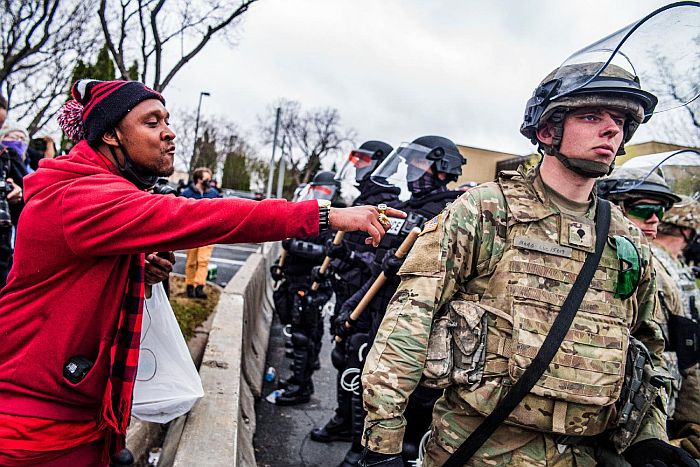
(280, 175)
(271, 171)
(196, 129)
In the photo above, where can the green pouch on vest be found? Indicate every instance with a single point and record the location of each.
(629, 274)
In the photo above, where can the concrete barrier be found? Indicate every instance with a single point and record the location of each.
(219, 429)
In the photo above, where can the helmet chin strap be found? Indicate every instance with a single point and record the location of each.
(143, 179)
(583, 167)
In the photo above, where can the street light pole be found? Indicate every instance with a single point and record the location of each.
(196, 128)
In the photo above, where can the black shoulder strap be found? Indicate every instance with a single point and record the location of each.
(549, 348)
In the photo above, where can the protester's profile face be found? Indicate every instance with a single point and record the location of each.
(146, 135)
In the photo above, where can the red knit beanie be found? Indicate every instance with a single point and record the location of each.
(98, 106)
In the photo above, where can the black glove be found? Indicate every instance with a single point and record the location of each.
(390, 263)
(657, 453)
(341, 330)
(276, 272)
(286, 243)
(337, 251)
(317, 275)
(696, 271)
(371, 459)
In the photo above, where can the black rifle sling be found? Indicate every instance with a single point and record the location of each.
(549, 348)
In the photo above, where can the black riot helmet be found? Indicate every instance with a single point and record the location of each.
(425, 157)
(323, 186)
(363, 160)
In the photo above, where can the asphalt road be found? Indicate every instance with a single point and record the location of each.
(228, 259)
(282, 433)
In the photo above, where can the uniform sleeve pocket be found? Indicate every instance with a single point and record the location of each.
(438, 362)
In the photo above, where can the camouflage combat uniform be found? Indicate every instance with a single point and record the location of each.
(679, 296)
(505, 295)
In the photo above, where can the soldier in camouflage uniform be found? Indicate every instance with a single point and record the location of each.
(676, 231)
(488, 276)
(646, 200)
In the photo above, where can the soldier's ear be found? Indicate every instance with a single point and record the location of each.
(545, 134)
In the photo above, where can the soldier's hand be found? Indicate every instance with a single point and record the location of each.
(689, 439)
(336, 251)
(318, 276)
(658, 453)
(363, 218)
(371, 459)
(390, 263)
(276, 272)
(286, 243)
(157, 268)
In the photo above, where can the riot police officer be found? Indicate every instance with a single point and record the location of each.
(422, 169)
(350, 266)
(296, 304)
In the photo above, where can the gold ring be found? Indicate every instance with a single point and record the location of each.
(383, 218)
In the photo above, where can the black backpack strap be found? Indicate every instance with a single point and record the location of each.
(549, 348)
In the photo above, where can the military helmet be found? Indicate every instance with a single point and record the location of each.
(685, 214)
(628, 184)
(580, 85)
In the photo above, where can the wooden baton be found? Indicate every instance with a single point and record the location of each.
(402, 251)
(337, 240)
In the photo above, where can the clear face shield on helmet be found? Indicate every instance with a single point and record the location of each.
(660, 51)
(680, 169)
(313, 191)
(357, 167)
(404, 165)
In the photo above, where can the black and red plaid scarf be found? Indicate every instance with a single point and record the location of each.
(124, 359)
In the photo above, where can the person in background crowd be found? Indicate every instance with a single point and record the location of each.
(214, 185)
(197, 264)
(12, 166)
(39, 148)
(670, 225)
(16, 137)
(71, 311)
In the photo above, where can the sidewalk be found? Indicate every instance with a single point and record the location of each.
(282, 434)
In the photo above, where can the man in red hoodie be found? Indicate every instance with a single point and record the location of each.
(70, 315)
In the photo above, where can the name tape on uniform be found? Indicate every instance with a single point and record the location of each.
(544, 247)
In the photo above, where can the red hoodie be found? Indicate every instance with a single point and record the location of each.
(80, 223)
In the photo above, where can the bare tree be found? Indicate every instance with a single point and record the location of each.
(39, 41)
(305, 137)
(138, 32)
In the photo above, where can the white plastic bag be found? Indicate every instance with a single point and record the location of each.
(167, 383)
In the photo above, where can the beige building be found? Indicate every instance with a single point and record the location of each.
(483, 164)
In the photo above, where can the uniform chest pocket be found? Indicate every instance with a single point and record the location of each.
(457, 346)
(589, 366)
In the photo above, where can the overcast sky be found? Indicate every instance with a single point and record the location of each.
(399, 69)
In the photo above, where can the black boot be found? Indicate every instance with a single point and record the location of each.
(190, 291)
(337, 429)
(295, 394)
(199, 292)
(352, 457)
(123, 458)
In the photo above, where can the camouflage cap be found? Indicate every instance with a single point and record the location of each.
(684, 214)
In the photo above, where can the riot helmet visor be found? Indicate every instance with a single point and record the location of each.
(404, 165)
(660, 51)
